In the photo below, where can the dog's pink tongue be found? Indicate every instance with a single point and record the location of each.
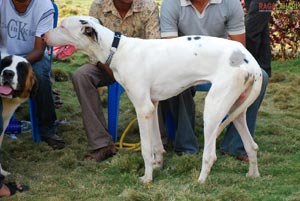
(5, 90)
(62, 52)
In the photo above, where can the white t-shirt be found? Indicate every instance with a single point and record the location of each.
(18, 30)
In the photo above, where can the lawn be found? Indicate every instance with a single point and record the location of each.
(62, 175)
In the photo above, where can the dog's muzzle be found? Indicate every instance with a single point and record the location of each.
(6, 84)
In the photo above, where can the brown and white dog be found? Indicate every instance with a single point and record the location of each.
(154, 70)
(17, 84)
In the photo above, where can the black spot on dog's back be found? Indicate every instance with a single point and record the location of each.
(197, 37)
(189, 38)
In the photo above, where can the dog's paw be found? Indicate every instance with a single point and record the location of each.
(253, 171)
(201, 180)
(145, 180)
(253, 174)
(203, 176)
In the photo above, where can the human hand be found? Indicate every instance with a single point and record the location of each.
(244, 6)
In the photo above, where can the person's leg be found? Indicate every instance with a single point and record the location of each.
(257, 35)
(232, 143)
(86, 80)
(264, 52)
(45, 105)
(1, 119)
(183, 111)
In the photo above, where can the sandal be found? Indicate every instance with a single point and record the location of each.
(13, 188)
(101, 154)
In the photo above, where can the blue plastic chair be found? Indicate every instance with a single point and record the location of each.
(115, 91)
(32, 104)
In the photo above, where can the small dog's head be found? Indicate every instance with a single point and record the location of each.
(17, 79)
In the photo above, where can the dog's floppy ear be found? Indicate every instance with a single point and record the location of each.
(27, 80)
(89, 30)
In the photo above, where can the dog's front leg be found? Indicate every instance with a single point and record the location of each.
(145, 120)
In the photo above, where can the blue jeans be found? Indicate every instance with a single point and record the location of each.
(44, 100)
(182, 108)
(1, 119)
(232, 142)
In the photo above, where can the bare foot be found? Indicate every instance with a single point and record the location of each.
(4, 191)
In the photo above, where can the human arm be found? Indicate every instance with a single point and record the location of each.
(235, 26)
(107, 69)
(239, 38)
(169, 14)
(38, 51)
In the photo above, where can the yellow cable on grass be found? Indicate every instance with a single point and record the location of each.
(130, 146)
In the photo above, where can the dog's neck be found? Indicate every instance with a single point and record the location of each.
(106, 38)
(113, 48)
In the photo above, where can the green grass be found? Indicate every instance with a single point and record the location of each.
(62, 175)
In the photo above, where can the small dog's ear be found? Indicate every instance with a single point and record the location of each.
(91, 32)
(34, 88)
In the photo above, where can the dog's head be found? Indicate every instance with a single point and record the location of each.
(17, 79)
(76, 33)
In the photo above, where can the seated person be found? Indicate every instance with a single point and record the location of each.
(133, 18)
(224, 19)
(22, 24)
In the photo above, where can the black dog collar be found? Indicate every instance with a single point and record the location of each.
(114, 47)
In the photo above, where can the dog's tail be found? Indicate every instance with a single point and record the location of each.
(252, 91)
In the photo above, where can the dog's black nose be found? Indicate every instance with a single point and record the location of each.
(8, 74)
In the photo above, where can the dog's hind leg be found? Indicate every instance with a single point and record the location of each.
(249, 144)
(214, 112)
(218, 102)
(158, 148)
(209, 152)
